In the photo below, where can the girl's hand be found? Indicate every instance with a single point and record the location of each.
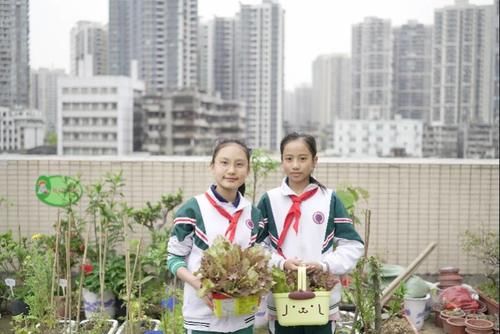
(292, 264)
(208, 300)
(314, 267)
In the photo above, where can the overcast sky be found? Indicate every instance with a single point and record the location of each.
(312, 27)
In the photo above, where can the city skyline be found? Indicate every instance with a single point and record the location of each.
(49, 39)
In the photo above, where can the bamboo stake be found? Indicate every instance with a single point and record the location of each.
(368, 214)
(101, 238)
(82, 274)
(67, 306)
(56, 260)
(127, 279)
(102, 278)
(387, 293)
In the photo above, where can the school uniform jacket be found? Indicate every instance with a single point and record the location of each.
(196, 225)
(325, 233)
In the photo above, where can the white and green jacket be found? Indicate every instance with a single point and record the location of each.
(325, 234)
(196, 225)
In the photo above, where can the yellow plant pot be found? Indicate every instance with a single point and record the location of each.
(295, 312)
(225, 306)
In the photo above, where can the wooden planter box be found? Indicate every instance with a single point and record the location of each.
(490, 303)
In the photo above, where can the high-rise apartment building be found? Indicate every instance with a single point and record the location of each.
(412, 71)
(121, 37)
(331, 89)
(89, 48)
(14, 53)
(260, 74)
(463, 64)
(372, 55)
(162, 35)
(217, 73)
(299, 108)
(43, 95)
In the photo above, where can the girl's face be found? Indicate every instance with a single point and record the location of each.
(298, 162)
(230, 168)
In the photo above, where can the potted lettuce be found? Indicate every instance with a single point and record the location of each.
(236, 278)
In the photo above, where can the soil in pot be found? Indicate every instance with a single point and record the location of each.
(397, 325)
(96, 326)
(59, 328)
(138, 327)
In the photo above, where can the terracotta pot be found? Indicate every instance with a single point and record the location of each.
(457, 313)
(456, 325)
(471, 331)
(479, 326)
(438, 322)
(450, 277)
(446, 325)
(447, 280)
(446, 270)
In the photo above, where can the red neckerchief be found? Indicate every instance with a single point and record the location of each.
(293, 216)
(233, 219)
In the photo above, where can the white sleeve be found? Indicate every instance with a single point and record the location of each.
(345, 256)
(276, 260)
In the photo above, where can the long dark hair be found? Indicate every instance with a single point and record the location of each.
(223, 142)
(311, 146)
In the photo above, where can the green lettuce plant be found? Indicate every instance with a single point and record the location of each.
(228, 269)
(286, 280)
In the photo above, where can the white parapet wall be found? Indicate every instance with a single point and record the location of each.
(413, 202)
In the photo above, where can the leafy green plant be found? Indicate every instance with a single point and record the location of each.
(395, 306)
(152, 213)
(484, 246)
(155, 272)
(350, 197)
(97, 325)
(108, 211)
(262, 164)
(38, 281)
(286, 280)
(172, 321)
(366, 293)
(228, 269)
(12, 252)
(114, 279)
